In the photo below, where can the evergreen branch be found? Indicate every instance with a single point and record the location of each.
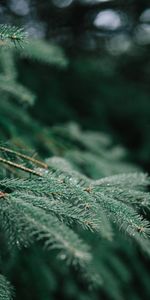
(21, 93)
(6, 291)
(8, 64)
(34, 223)
(90, 164)
(130, 196)
(134, 180)
(120, 213)
(60, 167)
(13, 34)
(124, 216)
(67, 213)
(80, 206)
(45, 52)
(42, 185)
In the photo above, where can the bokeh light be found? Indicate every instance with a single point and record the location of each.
(62, 3)
(19, 7)
(108, 19)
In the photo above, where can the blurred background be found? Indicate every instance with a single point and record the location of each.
(106, 84)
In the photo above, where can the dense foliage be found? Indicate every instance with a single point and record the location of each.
(74, 209)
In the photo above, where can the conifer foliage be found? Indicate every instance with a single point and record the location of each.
(83, 206)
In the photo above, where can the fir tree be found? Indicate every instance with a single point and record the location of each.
(79, 214)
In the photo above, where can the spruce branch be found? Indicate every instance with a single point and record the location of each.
(8, 64)
(131, 196)
(34, 224)
(18, 91)
(45, 52)
(134, 180)
(68, 201)
(124, 216)
(13, 34)
(65, 211)
(84, 195)
(6, 291)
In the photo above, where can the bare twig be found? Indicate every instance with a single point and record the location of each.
(35, 161)
(21, 167)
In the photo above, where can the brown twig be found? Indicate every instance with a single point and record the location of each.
(35, 161)
(2, 194)
(21, 167)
